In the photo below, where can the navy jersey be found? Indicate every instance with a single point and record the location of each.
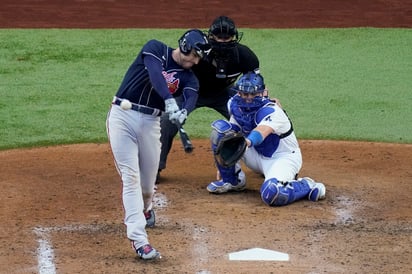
(137, 84)
(211, 86)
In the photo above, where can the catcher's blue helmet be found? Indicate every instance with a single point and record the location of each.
(250, 82)
(194, 39)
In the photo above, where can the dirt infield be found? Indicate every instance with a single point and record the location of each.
(61, 206)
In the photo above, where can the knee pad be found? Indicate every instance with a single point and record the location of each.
(274, 193)
(269, 191)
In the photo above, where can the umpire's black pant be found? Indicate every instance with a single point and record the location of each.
(168, 130)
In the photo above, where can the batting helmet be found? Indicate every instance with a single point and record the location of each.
(194, 39)
(250, 82)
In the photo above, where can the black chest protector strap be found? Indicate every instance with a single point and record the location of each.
(289, 132)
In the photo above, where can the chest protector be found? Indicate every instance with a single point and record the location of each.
(244, 113)
(249, 115)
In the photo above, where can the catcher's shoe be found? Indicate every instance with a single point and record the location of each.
(146, 252)
(317, 190)
(150, 218)
(222, 187)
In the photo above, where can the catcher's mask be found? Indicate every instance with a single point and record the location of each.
(194, 39)
(250, 83)
(224, 52)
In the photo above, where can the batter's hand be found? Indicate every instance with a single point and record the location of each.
(171, 106)
(178, 117)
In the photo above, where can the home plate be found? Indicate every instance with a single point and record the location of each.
(258, 254)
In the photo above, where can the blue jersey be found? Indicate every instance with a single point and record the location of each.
(154, 76)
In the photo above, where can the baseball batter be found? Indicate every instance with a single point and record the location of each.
(157, 75)
(272, 148)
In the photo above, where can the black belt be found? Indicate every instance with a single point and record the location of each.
(140, 108)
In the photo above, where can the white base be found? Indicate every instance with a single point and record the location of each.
(258, 254)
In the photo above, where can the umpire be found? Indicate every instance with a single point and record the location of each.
(217, 73)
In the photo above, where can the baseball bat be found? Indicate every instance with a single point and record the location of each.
(187, 144)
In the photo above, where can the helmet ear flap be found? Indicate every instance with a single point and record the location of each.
(184, 46)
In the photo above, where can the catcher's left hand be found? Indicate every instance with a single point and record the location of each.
(230, 148)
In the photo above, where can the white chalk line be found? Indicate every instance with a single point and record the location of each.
(45, 251)
(344, 212)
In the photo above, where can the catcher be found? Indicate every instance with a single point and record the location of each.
(261, 134)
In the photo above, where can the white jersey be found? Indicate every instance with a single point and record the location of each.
(279, 155)
(270, 114)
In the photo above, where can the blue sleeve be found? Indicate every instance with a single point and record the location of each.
(154, 69)
(190, 100)
(190, 94)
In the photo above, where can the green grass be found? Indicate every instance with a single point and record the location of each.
(342, 84)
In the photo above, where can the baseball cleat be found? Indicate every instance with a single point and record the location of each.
(318, 190)
(150, 218)
(222, 187)
(147, 252)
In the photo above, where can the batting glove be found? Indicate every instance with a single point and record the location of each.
(178, 117)
(171, 106)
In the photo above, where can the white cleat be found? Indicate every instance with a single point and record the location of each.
(318, 190)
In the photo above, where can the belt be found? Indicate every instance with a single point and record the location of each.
(140, 108)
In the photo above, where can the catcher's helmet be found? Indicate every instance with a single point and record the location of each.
(250, 82)
(223, 27)
(194, 39)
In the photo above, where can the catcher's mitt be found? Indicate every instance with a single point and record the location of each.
(230, 149)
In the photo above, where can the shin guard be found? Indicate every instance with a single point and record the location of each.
(276, 193)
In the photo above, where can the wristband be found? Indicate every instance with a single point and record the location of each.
(255, 138)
